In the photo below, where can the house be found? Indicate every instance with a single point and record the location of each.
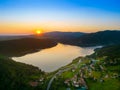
(41, 79)
(106, 76)
(67, 82)
(33, 83)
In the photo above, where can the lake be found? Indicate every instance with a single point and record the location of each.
(51, 59)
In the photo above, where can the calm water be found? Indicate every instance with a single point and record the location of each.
(53, 58)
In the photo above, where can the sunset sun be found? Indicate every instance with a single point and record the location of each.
(38, 32)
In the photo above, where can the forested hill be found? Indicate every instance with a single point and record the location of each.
(23, 46)
(99, 38)
(107, 37)
(112, 51)
(16, 76)
(63, 35)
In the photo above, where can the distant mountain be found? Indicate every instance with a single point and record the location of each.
(106, 37)
(64, 35)
(99, 38)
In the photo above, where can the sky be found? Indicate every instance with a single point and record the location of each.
(25, 16)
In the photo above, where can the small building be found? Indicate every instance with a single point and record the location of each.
(33, 83)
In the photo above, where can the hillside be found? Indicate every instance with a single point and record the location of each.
(23, 46)
(107, 37)
(109, 51)
(63, 34)
(99, 38)
(16, 76)
(63, 37)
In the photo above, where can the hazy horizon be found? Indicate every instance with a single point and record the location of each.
(20, 34)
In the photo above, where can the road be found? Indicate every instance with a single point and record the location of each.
(58, 73)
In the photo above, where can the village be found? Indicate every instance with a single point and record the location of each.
(92, 69)
(79, 73)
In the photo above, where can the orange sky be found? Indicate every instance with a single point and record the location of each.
(9, 28)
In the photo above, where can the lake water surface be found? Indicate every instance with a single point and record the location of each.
(53, 58)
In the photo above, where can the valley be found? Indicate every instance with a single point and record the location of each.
(89, 72)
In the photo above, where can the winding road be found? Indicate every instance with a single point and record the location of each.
(58, 73)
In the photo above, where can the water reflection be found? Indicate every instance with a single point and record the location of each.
(55, 57)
